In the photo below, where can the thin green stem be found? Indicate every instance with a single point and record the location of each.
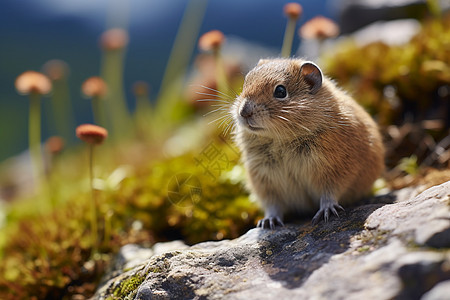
(61, 109)
(143, 115)
(94, 224)
(183, 47)
(34, 138)
(288, 38)
(95, 111)
(98, 111)
(112, 73)
(107, 229)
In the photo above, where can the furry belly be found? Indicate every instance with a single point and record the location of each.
(290, 190)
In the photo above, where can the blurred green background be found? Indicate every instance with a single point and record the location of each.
(33, 32)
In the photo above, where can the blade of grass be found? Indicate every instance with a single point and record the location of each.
(184, 45)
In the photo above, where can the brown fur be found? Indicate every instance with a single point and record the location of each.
(310, 146)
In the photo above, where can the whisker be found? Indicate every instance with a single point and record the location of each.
(215, 96)
(225, 121)
(218, 119)
(234, 92)
(294, 107)
(213, 100)
(287, 125)
(306, 128)
(207, 94)
(225, 124)
(215, 110)
(214, 90)
(278, 134)
(290, 127)
(221, 110)
(283, 118)
(220, 106)
(231, 127)
(225, 102)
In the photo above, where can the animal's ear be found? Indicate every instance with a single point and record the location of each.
(263, 61)
(312, 75)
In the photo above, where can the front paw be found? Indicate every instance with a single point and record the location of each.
(325, 211)
(270, 223)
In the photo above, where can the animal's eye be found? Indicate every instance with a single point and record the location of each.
(280, 92)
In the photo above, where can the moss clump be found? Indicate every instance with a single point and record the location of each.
(391, 81)
(364, 248)
(128, 287)
(371, 239)
(48, 256)
(46, 252)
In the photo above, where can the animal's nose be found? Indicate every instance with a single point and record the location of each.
(246, 110)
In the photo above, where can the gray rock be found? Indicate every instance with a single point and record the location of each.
(440, 292)
(428, 213)
(374, 251)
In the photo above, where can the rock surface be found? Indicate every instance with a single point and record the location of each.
(395, 247)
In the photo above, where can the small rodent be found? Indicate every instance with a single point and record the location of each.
(306, 145)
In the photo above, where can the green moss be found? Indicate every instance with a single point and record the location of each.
(354, 225)
(53, 245)
(390, 80)
(128, 287)
(372, 239)
(363, 248)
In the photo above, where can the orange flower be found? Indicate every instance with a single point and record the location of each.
(32, 82)
(54, 144)
(293, 10)
(319, 28)
(56, 69)
(91, 134)
(94, 87)
(114, 39)
(211, 41)
(140, 88)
